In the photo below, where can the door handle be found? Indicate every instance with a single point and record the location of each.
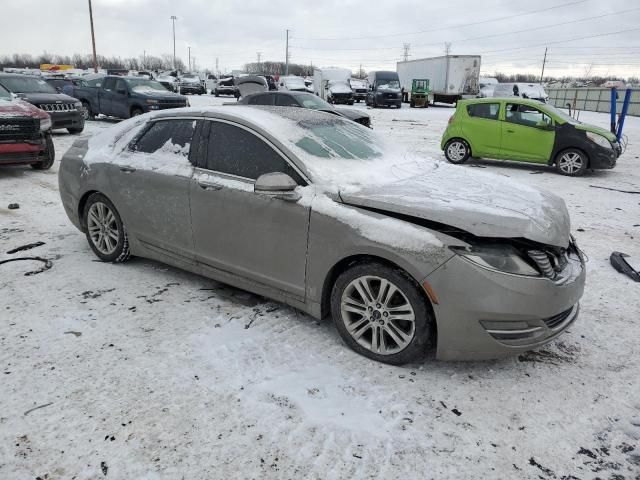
(127, 169)
(209, 186)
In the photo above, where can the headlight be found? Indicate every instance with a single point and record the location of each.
(599, 140)
(45, 124)
(151, 101)
(502, 258)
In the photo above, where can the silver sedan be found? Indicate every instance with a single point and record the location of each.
(318, 212)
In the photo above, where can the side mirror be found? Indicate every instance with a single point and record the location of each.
(278, 185)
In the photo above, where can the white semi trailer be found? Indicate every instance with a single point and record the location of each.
(451, 77)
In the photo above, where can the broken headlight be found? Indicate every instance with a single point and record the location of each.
(501, 258)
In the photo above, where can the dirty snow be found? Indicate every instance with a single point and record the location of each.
(142, 371)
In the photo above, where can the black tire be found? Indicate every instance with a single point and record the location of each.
(374, 103)
(136, 112)
(420, 332)
(412, 104)
(88, 113)
(457, 151)
(121, 252)
(216, 93)
(49, 155)
(350, 102)
(571, 162)
(75, 131)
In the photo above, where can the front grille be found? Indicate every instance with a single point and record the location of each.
(556, 320)
(19, 129)
(57, 107)
(27, 157)
(390, 95)
(361, 90)
(172, 104)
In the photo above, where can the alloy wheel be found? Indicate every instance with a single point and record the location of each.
(378, 315)
(103, 228)
(570, 163)
(456, 151)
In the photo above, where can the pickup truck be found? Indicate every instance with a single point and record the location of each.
(126, 97)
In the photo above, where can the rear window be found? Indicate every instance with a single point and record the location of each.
(484, 110)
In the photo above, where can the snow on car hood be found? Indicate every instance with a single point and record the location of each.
(339, 87)
(484, 205)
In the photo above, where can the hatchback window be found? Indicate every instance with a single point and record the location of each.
(261, 100)
(286, 101)
(484, 110)
(526, 115)
(236, 151)
(167, 136)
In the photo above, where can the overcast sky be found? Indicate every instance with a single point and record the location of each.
(509, 34)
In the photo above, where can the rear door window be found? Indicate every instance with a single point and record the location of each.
(286, 101)
(261, 100)
(166, 136)
(484, 110)
(109, 83)
(236, 151)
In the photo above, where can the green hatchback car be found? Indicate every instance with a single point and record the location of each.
(528, 131)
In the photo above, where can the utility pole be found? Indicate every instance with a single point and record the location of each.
(543, 63)
(173, 20)
(144, 59)
(217, 67)
(286, 63)
(259, 58)
(447, 48)
(189, 58)
(93, 40)
(407, 47)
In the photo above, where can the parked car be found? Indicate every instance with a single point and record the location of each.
(169, 82)
(226, 86)
(487, 86)
(25, 133)
(191, 83)
(65, 111)
(360, 89)
(125, 97)
(533, 91)
(305, 100)
(249, 84)
(310, 209)
(384, 90)
(63, 85)
(528, 131)
(332, 85)
(292, 83)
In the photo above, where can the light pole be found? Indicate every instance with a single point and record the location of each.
(93, 40)
(173, 20)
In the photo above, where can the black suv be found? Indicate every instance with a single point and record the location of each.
(65, 111)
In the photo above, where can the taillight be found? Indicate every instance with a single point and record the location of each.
(451, 119)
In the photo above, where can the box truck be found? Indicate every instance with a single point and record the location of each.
(451, 77)
(332, 85)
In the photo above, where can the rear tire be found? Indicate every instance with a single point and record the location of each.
(75, 131)
(572, 162)
(105, 231)
(87, 113)
(136, 112)
(457, 151)
(381, 313)
(49, 155)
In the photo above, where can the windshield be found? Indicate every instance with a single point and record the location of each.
(4, 94)
(144, 85)
(26, 85)
(561, 114)
(339, 139)
(315, 103)
(388, 83)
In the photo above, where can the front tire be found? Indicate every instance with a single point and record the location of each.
(87, 113)
(49, 155)
(457, 151)
(136, 112)
(105, 231)
(381, 313)
(571, 162)
(75, 131)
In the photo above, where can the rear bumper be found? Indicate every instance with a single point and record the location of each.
(73, 119)
(192, 89)
(482, 314)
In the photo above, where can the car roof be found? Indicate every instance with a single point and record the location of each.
(514, 99)
(248, 113)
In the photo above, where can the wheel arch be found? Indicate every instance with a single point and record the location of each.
(560, 151)
(462, 139)
(82, 203)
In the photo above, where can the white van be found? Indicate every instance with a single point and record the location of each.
(534, 91)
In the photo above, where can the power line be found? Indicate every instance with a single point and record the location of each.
(490, 20)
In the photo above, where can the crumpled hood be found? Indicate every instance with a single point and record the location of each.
(482, 204)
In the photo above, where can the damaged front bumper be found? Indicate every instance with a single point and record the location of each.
(484, 314)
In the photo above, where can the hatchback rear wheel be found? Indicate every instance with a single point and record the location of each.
(457, 151)
(571, 162)
(380, 313)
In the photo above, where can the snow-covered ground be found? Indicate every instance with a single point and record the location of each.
(146, 372)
